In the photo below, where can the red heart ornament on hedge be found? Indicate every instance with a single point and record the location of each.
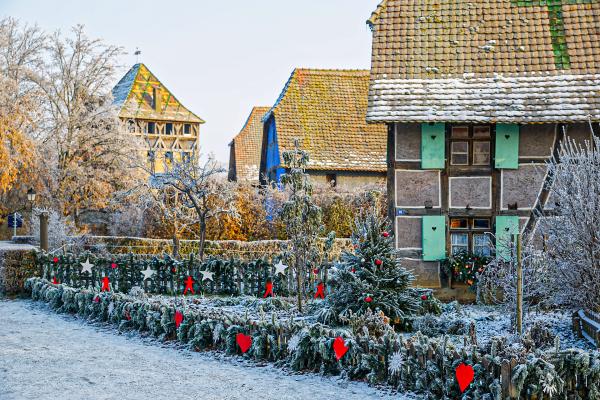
(464, 376)
(340, 348)
(243, 341)
(178, 319)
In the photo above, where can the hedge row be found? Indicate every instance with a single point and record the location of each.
(224, 248)
(15, 267)
(420, 364)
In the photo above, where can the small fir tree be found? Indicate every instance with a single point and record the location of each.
(371, 277)
(301, 216)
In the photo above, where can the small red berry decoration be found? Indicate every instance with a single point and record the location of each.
(113, 266)
(424, 297)
(353, 270)
(173, 270)
(355, 246)
(97, 299)
(315, 271)
(378, 262)
(368, 299)
(386, 234)
(55, 260)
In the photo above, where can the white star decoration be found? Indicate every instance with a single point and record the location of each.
(207, 275)
(148, 273)
(280, 268)
(86, 266)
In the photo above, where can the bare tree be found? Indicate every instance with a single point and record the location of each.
(199, 186)
(573, 233)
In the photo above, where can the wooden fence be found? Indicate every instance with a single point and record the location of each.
(587, 325)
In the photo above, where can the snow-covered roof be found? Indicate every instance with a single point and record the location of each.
(485, 61)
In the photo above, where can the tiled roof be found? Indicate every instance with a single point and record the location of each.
(247, 145)
(485, 60)
(326, 110)
(134, 92)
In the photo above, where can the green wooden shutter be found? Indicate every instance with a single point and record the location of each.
(506, 226)
(434, 238)
(433, 146)
(507, 146)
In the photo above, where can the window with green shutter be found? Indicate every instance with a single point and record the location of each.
(433, 146)
(434, 238)
(507, 146)
(506, 226)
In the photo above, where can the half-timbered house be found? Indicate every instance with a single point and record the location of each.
(477, 95)
(150, 111)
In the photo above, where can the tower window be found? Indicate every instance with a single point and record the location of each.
(151, 127)
(187, 129)
(169, 128)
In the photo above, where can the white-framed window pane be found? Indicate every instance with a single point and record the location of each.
(482, 245)
(481, 153)
(460, 242)
(460, 153)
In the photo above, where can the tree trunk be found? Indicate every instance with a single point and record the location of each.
(202, 239)
(175, 246)
(299, 283)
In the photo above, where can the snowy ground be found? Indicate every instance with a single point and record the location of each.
(44, 355)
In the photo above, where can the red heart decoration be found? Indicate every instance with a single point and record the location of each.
(243, 341)
(464, 376)
(340, 348)
(178, 319)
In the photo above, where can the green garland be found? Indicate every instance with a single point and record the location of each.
(465, 267)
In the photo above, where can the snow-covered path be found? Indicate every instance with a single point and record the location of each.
(44, 355)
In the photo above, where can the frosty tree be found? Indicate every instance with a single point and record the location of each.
(87, 156)
(573, 233)
(199, 187)
(371, 277)
(301, 216)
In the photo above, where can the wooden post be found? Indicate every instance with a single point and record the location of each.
(519, 287)
(44, 231)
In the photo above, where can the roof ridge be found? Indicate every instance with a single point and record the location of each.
(376, 14)
(254, 110)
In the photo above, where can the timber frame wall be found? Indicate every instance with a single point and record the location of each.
(526, 183)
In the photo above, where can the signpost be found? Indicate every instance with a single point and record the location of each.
(15, 221)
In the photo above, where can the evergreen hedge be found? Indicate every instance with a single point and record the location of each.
(419, 364)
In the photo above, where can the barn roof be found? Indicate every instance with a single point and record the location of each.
(247, 146)
(326, 110)
(513, 61)
(133, 94)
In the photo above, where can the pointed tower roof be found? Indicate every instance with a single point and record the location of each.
(134, 94)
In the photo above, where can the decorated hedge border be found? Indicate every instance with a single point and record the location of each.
(169, 276)
(423, 365)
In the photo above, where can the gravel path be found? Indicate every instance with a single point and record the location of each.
(44, 355)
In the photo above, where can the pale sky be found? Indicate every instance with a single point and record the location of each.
(219, 58)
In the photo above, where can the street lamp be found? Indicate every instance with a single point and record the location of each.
(31, 195)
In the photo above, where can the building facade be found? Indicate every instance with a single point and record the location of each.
(477, 96)
(325, 110)
(148, 110)
(245, 149)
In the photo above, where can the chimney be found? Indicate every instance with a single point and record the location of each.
(156, 95)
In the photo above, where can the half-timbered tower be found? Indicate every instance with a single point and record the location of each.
(325, 111)
(150, 111)
(244, 154)
(477, 95)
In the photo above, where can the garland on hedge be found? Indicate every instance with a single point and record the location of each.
(420, 364)
(229, 277)
(466, 267)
